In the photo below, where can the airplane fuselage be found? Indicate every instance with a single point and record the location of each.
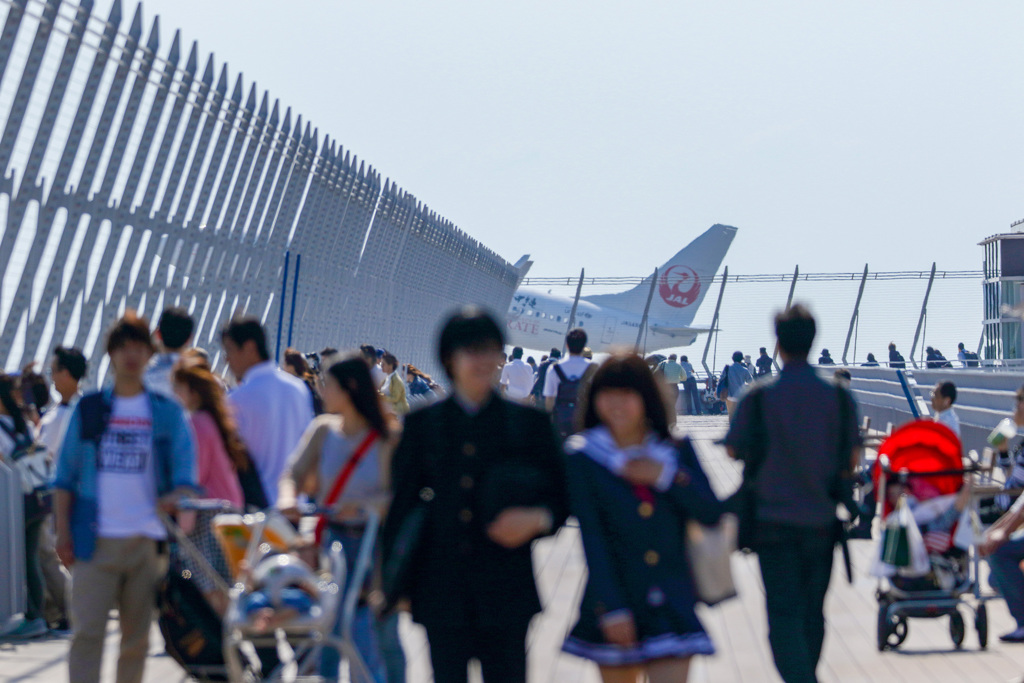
(538, 320)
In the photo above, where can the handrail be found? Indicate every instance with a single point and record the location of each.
(911, 399)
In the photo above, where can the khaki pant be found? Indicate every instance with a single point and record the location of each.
(730, 405)
(122, 573)
(55, 576)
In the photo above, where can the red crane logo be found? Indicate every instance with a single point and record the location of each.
(679, 286)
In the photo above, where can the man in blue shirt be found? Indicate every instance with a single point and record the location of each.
(738, 378)
(128, 453)
(803, 432)
(693, 402)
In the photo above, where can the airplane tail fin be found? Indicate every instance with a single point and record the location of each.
(523, 265)
(683, 280)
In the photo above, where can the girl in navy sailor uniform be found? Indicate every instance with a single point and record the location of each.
(633, 488)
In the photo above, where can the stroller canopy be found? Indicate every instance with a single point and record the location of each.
(923, 446)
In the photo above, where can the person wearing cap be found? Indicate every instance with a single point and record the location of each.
(490, 478)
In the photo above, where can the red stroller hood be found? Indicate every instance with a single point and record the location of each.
(923, 446)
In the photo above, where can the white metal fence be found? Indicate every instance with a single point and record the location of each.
(136, 175)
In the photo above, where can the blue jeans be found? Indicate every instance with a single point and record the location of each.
(391, 647)
(364, 625)
(1007, 578)
(692, 402)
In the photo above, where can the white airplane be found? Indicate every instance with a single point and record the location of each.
(539, 320)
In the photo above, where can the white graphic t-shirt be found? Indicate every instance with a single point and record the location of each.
(127, 480)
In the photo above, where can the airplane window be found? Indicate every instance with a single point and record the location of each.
(559, 318)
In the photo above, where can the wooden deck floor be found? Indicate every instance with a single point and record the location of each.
(738, 627)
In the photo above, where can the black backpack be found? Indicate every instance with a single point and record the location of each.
(564, 412)
(722, 391)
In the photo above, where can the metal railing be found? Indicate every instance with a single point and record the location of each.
(893, 396)
(13, 591)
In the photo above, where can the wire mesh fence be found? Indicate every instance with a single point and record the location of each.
(889, 312)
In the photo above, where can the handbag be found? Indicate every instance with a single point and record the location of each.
(709, 549)
(396, 570)
(723, 384)
(895, 538)
(398, 567)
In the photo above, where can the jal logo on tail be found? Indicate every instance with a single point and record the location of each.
(679, 286)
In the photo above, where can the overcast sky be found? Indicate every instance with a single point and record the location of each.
(607, 135)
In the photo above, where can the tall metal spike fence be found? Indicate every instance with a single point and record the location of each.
(137, 174)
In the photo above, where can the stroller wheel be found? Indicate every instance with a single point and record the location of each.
(883, 628)
(899, 632)
(981, 625)
(891, 632)
(957, 628)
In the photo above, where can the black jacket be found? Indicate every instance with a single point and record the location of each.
(473, 467)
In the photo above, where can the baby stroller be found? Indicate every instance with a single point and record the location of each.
(281, 612)
(922, 462)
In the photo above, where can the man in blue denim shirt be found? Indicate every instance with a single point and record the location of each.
(127, 453)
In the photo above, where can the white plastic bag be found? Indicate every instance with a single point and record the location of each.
(903, 519)
(969, 530)
(919, 564)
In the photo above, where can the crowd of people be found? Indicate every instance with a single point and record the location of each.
(475, 474)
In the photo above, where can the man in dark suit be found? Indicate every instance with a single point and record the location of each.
(491, 477)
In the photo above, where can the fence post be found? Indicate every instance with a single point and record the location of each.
(714, 323)
(572, 312)
(12, 545)
(856, 313)
(647, 310)
(280, 315)
(295, 290)
(920, 320)
(789, 302)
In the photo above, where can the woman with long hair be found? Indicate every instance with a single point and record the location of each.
(220, 456)
(633, 488)
(354, 425)
(295, 364)
(17, 434)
